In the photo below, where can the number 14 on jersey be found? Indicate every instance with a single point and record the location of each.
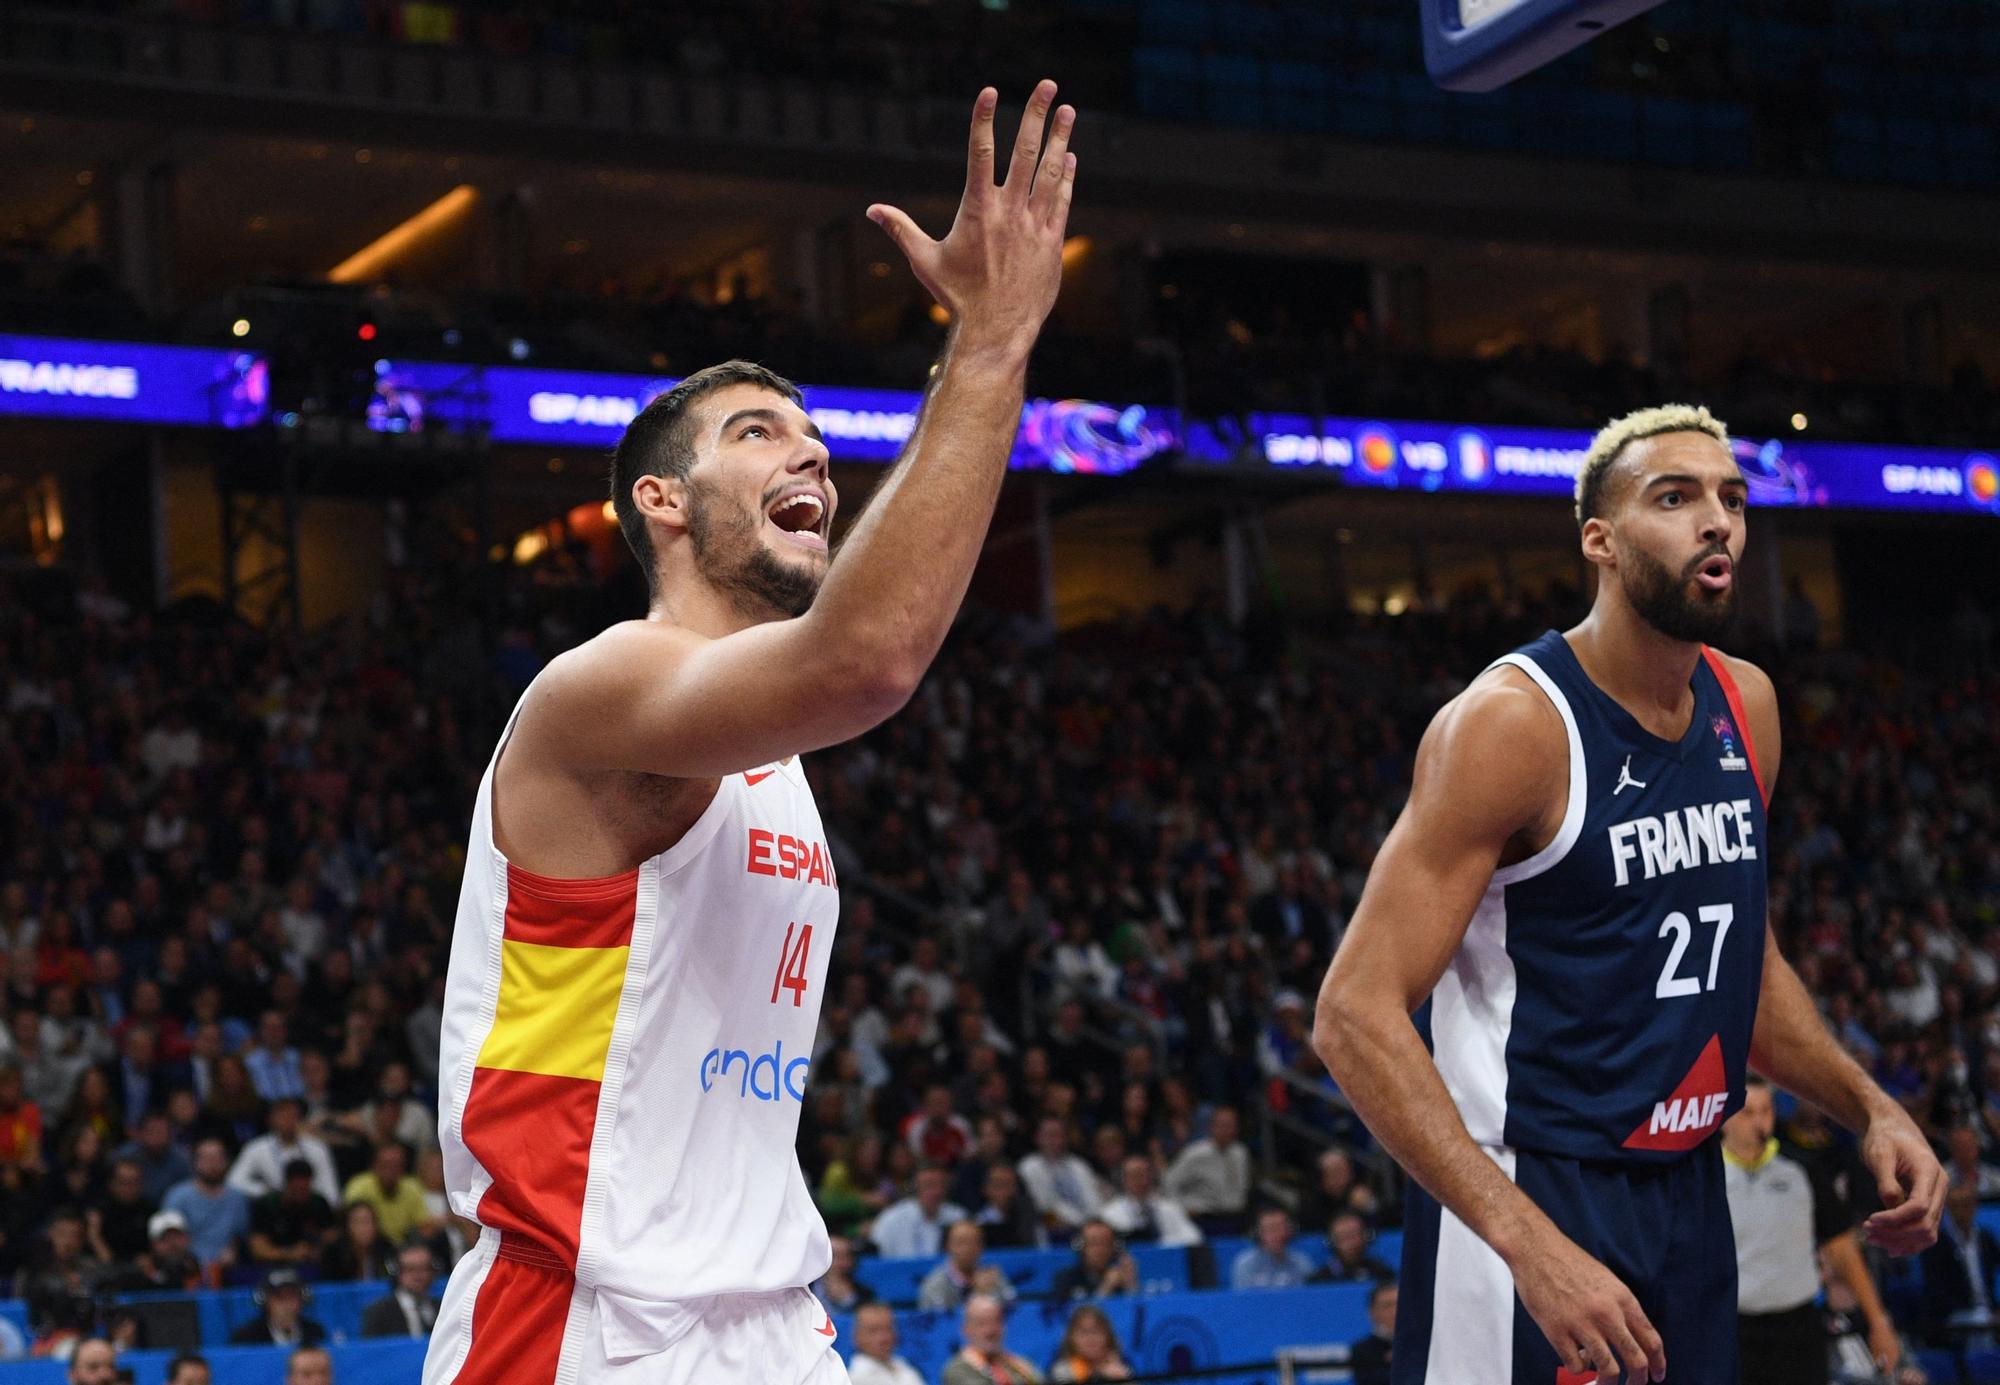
(792, 961)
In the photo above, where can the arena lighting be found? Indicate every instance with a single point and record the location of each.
(372, 259)
(1798, 423)
(240, 327)
(1075, 250)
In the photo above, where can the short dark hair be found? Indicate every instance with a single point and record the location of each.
(1382, 1286)
(656, 443)
(186, 1358)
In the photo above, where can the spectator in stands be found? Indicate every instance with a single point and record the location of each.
(1089, 1349)
(161, 1159)
(309, 1366)
(20, 1120)
(1270, 1263)
(118, 1225)
(94, 1362)
(1141, 1212)
(168, 1264)
(1958, 1273)
(274, 1063)
(139, 1080)
(396, 1114)
(1211, 1177)
(408, 1311)
(1005, 1214)
(62, 1269)
(291, 1226)
(1370, 1358)
(48, 1077)
(397, 1198)
(217, 1215)
(188, 1369)
(937, 1134)
(1967, 1167)
(260, 1168)
(1348, 1239)
(1339, 1188)
(984, 1359)
(916, 1225)
(1103, 1268)
(875, 1361)
(1061, 1184)
(281, 1319)
(989, 1147)
(453, 1235)
(359, 1251)
(960, 1275)
(838, 1289)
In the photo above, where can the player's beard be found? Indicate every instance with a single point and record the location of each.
(729, 549)
(1663, 601)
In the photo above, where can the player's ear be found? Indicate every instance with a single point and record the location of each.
(1597, 542)
(663, 499)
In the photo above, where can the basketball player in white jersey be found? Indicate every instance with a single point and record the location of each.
(648, 904)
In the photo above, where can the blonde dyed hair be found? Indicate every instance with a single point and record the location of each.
(1614, 437)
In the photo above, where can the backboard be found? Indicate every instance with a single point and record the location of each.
(1477, 45)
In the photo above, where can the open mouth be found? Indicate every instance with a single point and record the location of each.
(1716, 574)
(801, 516)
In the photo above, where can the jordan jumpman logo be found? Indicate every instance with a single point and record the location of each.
(1625, 779)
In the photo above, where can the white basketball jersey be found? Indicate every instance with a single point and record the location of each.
(624, 1060)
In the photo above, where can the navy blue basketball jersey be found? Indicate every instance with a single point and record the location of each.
(1601, 1004)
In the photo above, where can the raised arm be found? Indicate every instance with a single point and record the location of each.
(657, 698)
(1491, 774)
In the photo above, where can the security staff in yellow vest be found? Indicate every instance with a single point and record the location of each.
(1784, 1223)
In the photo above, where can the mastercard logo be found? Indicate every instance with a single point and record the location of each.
(1377, 451)
(1982, 481)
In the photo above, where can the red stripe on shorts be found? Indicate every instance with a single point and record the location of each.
(518, 1320)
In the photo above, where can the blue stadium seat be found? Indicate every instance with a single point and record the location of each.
(1244, 26)
(1485, 119)
(1604, 124)
(1362, 106)
(1232, 86)
(1314, 29)
(1423, 112)
(1300, 94)
(1726, 134)
(1167, 82)
(1857, 145)
(1669, 130)
(1915, 150)
(1969, 157)
(1176, 23)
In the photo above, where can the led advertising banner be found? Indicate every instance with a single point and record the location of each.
(129, 382)
(591, 409)
(1544, 461)
(139, 383)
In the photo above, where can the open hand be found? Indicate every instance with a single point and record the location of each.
(998, 269)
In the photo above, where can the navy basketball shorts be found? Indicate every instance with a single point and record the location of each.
(1663, 1229)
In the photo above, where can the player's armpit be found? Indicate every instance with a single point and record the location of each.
(660, 699)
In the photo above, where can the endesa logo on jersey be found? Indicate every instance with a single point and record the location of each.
(791, 858)
(755, 1077)
(1694, 1110)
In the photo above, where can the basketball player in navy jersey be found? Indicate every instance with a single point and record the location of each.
(1576, 885)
